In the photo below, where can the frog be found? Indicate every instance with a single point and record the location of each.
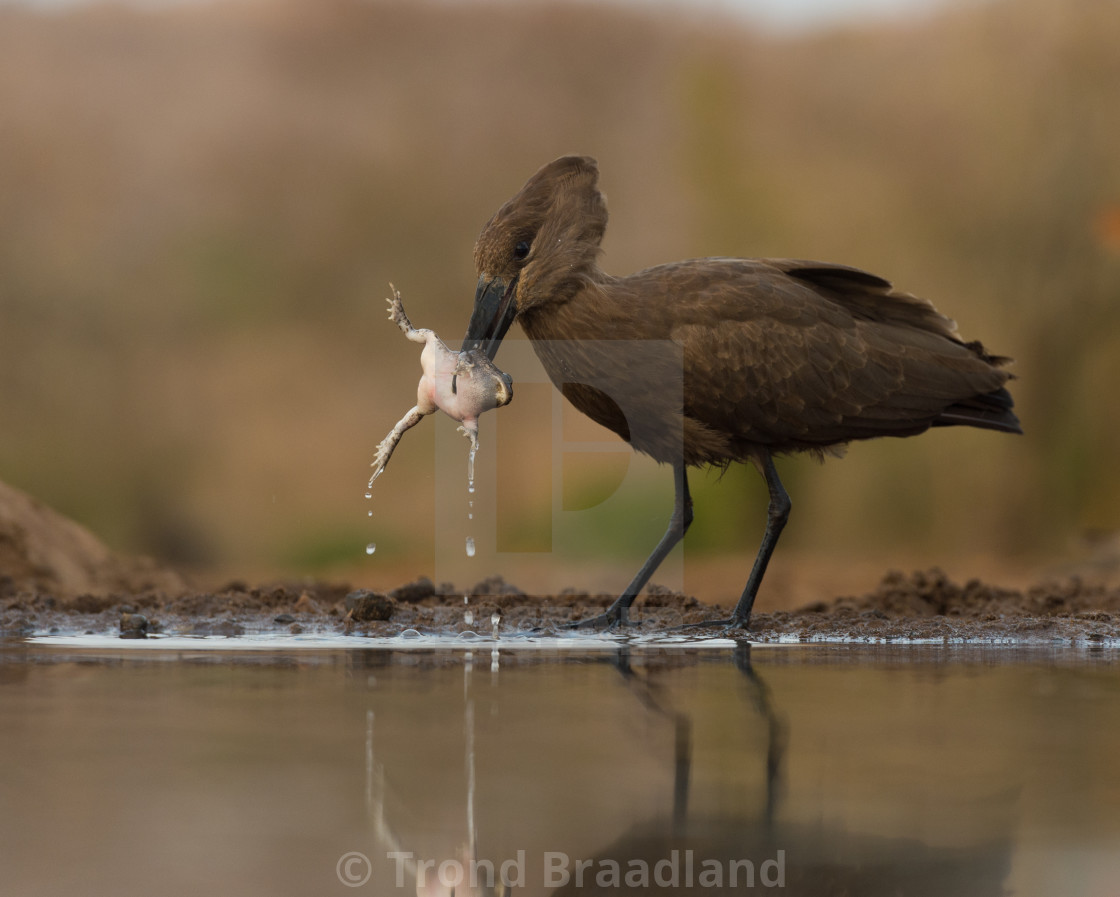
(463, 385)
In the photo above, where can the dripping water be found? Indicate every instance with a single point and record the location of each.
(372, 546)
(470, 491)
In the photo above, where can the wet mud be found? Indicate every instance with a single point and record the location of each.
(56, 577)
(920, 606)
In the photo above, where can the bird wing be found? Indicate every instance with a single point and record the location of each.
(793, 354)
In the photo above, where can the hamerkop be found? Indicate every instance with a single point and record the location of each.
(732, 360)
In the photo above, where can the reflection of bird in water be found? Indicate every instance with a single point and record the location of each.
(710, 361)
(693, 854)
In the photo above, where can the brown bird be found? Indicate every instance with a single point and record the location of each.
(715, 360)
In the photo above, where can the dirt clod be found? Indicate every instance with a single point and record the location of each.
(413, 592)
(494, 587)
(365, 606)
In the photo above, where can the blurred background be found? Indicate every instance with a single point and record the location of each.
(202, 204)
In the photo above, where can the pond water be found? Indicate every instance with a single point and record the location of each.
(624, 770)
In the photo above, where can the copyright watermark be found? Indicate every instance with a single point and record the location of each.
(353, 869)
(677, 869)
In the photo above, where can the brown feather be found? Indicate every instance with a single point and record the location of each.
(778, 355)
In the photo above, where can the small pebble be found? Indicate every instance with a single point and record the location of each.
(134, 626)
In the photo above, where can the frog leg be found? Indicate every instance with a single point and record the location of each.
(389, 443)
(398, 317)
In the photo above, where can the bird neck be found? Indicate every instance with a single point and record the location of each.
(574, 312)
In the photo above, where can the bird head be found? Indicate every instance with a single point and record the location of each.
(537, 248)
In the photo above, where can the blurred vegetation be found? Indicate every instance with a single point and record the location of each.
(201, 207)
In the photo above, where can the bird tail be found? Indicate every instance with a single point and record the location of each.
(989, 411)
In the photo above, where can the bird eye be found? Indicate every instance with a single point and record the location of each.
(521, 250)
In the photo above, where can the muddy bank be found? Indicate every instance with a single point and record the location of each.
(57, 577)
(904, 607)
(43, 552)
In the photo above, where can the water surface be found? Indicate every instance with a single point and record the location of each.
(810, 769)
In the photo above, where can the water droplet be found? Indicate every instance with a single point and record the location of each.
(468, 618)
(495, 619)
(469, 516)
(470, 546)
(369, 513)
(470, 488)
(371, 548)
(369, 495)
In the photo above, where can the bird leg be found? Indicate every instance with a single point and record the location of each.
(777, 513)
(619, 612)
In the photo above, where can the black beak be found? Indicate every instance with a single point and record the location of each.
(494, 311)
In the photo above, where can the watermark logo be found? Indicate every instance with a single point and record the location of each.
(677, 869)
(454, 874)
(353, 869)
(583, 479)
